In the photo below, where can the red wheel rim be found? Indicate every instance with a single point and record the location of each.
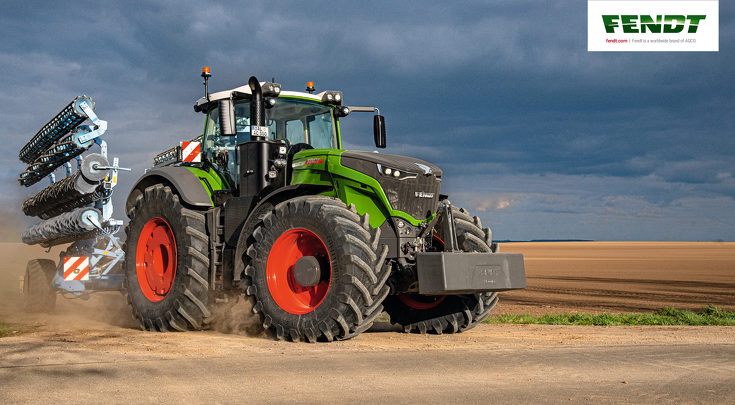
(437, 243)
(286, 292)
(417, 301)
(155, 259)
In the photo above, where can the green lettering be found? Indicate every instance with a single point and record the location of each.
(694, 22)
(629, 23)
(674, 28)
(647, 22)
(610, 24)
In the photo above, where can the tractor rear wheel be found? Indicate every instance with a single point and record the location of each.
(315, 270)
(38, 293)
(167, 263)
(447, 313)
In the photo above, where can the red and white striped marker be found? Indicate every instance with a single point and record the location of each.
(76, 268)
(191, 152)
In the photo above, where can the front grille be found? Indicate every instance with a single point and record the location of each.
(403, 195)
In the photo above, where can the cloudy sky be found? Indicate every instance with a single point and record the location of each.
(538, 137)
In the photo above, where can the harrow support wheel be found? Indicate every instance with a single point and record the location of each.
(166, 263)
(447, 313)
(38, 294)
(314, 270)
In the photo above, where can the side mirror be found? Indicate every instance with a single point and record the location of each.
(226, 118)
(379, 131)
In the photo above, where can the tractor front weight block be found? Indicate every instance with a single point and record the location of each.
(451, 273)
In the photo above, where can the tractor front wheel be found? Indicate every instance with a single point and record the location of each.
(315, 270)
(447, 313)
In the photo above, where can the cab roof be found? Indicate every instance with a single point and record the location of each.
(203, 104)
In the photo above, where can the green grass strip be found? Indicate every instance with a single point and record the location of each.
(707, 316)
(7, 330)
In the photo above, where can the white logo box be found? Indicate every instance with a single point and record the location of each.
(706, 37)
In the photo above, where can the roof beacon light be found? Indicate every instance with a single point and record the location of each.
(206, 75)
(310, 87)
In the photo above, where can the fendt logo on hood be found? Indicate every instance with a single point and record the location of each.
(671, 24)
(310, 161)
(661, 25)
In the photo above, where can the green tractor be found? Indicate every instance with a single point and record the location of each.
(267, 204)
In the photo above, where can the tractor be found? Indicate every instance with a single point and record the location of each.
(266, 204)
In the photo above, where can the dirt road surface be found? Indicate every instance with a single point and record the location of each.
(502, 364)
(91, 352)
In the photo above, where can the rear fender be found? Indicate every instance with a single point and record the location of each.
(188, 186)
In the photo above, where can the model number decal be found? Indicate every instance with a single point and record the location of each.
(312, 161)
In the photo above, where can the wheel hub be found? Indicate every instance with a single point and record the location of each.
(307, 271)
(155, 259)
(303, 249)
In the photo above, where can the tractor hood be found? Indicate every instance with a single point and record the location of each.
(410, 185)
(393, 162)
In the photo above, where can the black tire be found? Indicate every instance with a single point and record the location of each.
(38, 293)
(451, 313)
(471, 236)
(353, 272)
(184, 302)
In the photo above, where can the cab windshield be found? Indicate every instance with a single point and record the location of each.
(291, 121)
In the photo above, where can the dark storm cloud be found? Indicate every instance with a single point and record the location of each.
(499, 94)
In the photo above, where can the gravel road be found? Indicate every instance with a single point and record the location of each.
(503, 364)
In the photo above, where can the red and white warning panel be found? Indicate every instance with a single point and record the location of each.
(191, 152)
(76, 268)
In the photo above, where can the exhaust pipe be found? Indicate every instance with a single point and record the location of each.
(254, 156)
(258, 130)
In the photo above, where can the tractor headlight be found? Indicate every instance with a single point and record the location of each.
(332, 97)
(271, 89)
(342, 111)
(395, 173)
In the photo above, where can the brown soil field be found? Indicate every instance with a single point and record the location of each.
(618, 277)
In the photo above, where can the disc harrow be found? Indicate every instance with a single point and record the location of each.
(78, 208)
(52, 159)
(63, 196)
(64, 122)
(78, 222)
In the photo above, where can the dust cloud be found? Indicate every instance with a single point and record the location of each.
(238, 319)
(102, 309)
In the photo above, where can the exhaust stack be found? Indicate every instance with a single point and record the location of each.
(255, 155)
(258, 130)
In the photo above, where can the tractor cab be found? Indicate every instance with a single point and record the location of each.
(298, 120)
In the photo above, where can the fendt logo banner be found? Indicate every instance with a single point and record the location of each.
(672, 26)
